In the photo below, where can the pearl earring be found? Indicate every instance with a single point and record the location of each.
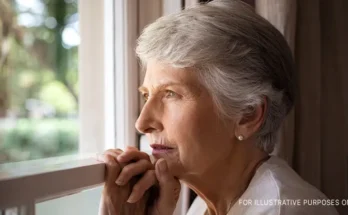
(240, 137)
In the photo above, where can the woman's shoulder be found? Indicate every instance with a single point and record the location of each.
(276, 179)
(276, 175)
(277, 189)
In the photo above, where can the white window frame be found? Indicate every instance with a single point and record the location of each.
(108, 109)
(108, 63)
(28, 183)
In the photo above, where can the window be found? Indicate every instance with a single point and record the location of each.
(38, 79)
(107, 108)
(95, 122)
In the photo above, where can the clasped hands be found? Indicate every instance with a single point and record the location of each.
(136, 186)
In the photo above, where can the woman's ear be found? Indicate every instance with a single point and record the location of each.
(251, 121)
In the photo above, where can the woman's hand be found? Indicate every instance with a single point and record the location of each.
(158, 175)
(156, 187)
(114, 197)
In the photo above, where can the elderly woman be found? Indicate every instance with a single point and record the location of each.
(219, 82)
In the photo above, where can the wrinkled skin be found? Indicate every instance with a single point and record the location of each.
(139, 192)
(181, 116)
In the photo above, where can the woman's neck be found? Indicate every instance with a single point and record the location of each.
(223, 184)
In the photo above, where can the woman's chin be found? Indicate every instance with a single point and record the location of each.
(173, 162)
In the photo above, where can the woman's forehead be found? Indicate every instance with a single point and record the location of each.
(165, 74)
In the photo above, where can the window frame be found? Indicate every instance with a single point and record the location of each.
(112, 24)
(30, 182)
(107, 111)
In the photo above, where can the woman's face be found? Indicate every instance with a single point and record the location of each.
(180, 120)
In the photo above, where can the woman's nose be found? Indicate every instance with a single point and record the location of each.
(149, 119)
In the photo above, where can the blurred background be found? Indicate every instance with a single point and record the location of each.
(38, 79)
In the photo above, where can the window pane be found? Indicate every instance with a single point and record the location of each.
(88, 201)
(38, 79)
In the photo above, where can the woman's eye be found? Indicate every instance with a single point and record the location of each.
(170, 94)
(145, 96)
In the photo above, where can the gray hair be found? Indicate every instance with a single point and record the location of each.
(239, 56)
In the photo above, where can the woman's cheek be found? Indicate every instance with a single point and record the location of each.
(175, 165)
(173, 120)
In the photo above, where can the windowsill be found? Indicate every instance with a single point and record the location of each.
(44, 179)
(30, 167)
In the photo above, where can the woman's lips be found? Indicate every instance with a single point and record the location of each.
(160, 149)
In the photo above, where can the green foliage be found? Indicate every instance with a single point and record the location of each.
(38, 74)
(55, 94)
(39, 56)
(34, 139)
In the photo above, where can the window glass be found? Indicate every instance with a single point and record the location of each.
(38, 79)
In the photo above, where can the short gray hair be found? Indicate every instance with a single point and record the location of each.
(240, 57)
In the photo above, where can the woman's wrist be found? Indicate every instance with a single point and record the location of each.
(114, 202)
(106, 206)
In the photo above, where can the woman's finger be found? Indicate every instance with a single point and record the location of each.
(133, 169)
(112, 152)
(169, 188)
(148, 180)
(130, 155)
(100, 157)
(113, 169)
(130, 148)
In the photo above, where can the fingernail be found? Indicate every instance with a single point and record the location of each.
(131, 199)
(120, 157)
(162, 166)
(119, 182)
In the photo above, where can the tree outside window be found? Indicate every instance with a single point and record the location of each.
(38, 79)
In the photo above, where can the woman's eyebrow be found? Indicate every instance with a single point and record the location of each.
(157, 88)
(164, 85)
(142, 89)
